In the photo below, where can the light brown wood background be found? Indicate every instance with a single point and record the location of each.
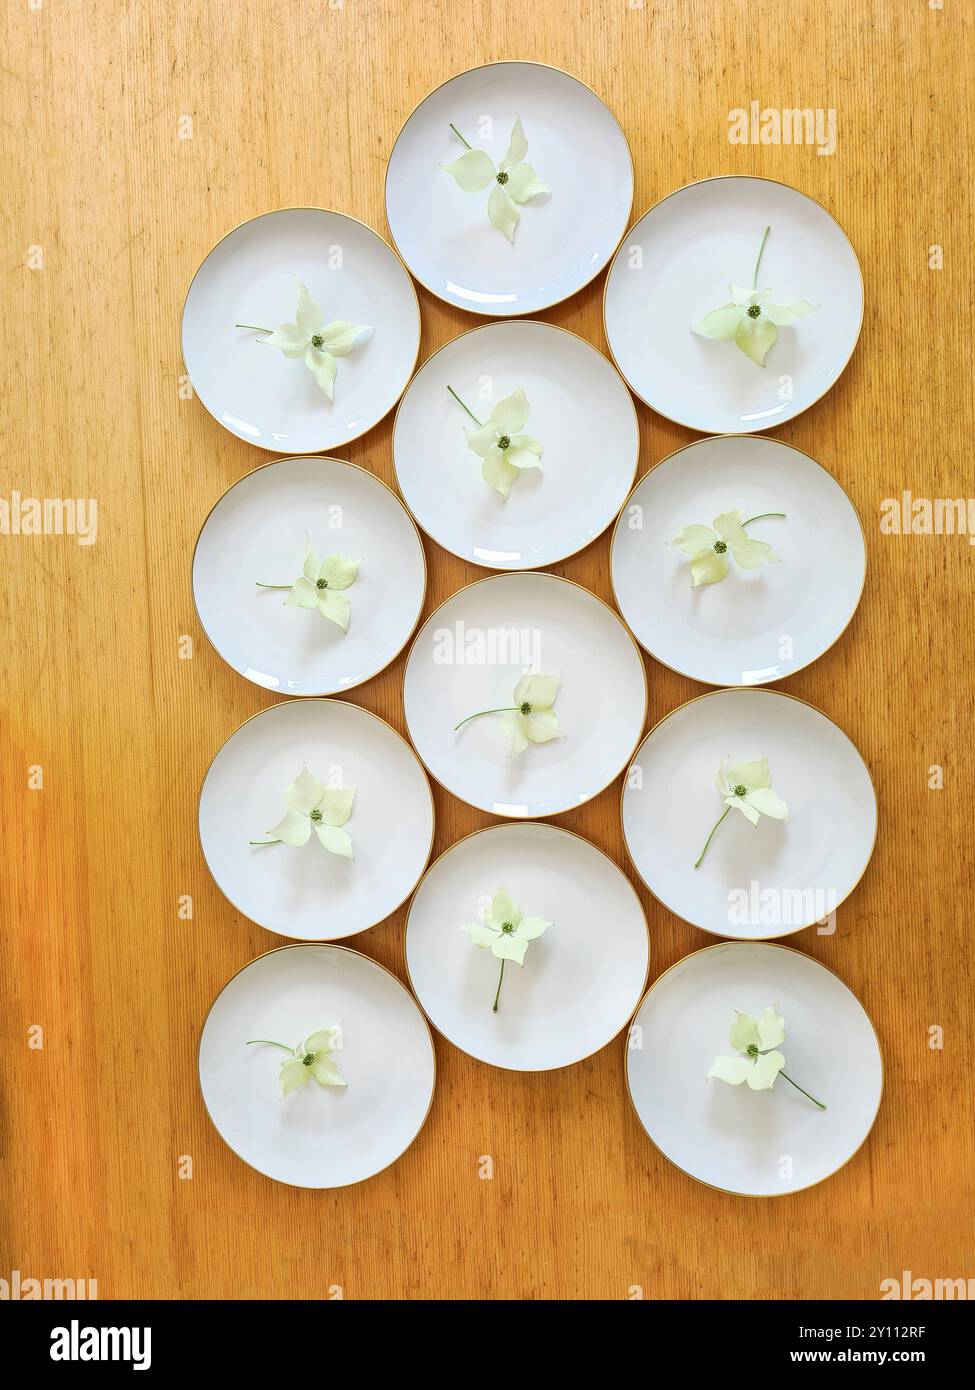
(299, 103)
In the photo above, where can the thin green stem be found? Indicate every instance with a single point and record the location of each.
(498, 995)
(459, 136)
(479, 423)
(270, 1042)
(254, 326)
(272, 586)
(805, 1093)
(503, 709)
(761, 517)
(761, 252)
(711, 836)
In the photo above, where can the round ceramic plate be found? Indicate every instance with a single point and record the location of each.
(256, 392)
(676, 265)
(754, 882)
(318, 1136)
(469, 655)
(580, 981)
(756, 1143)
(305, 891)
(753, 626)
(581, 413)
(561, 241)
(256, 532)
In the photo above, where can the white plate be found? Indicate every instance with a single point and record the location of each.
(469, 655)
(256, 531)
(577, 149)
(756, 1143)
(580, 981)
(249, 277)
(754, 626)
(317, 1136)
(581, 412)
(755, 882)
(308, 893)
(675, 266)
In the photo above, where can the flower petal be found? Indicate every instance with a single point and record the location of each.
(509, 947)
(324, 1040)
(788, 313)
(542, 726)
(480, 934)
(734, 1070)
(769, 803)
(303, 595)
(503, 212)
(721, 781)
(503, 909)
(752, 555)
(721, 323)
(338, 570)
(517, 145)
(728, 526)
(336, 805)
(323, 369)
(744, 1032)
(481, 439)
(326, 1073)
(514, 727)
(511, 415)
(750, 775)
(335, 607)
(693, 539)
(531, 927)
(539, 691)
(738, 803)
(289, 338)
(766, 1069)
(333, 839)
(497, 473)
(473, 171)
(771, 1028)
(293, 829)
(309, 316)
(755, 337)
(305, 792)
(341, 337)
(524, 184)
(521, 459)
(708, 567)
(293, 1075)
(312, 566)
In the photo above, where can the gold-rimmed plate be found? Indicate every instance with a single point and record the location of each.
(250, 277)
(562, 239)
(756, 1143)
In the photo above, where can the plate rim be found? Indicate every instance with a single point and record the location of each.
(770, 439)
(273, 212)
(723, 937)
(332, 946)
(310, 458)
(323, 699)
(480, 328)
(720, 178)
(559, 829)
(561, 579)
(480, 311)
(730, 1191)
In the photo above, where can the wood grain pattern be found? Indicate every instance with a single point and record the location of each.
(299, 103)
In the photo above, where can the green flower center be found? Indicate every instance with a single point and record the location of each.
(525, 707)
(507, 928)
(720, 547)
(321, 583)
(502, 178)
(740, 790)
(754, 311)
(504, 441)
(316, 814)
(319, 342)
(752, 1049)
(308, 1058)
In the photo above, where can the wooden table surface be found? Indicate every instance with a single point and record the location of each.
(136, 136)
